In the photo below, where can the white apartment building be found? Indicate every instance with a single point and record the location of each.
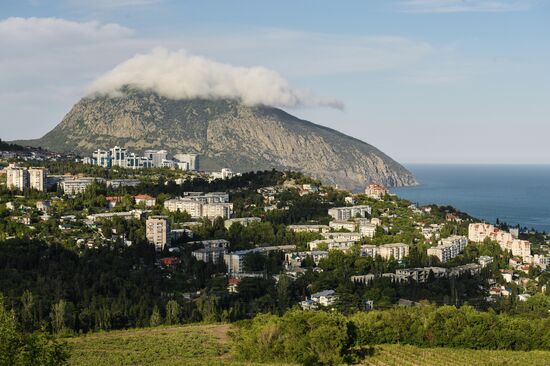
(156, 157)
(38, 178)
(340, 224)
(449, 248)
(157, 231)
(209, 255)
(235, 260)
(369, 250)
(309, 228)
(396, 250)
(73, 186)
(368, 230)
(331, 244)
(244, 221)
(118, 156)
(342, 236)
(101, 158)
(192, 161)
(193, 208)
(346, 213)
(213, 243)
(197, 209)
(17, 177)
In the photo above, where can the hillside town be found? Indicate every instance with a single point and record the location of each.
(396, 243)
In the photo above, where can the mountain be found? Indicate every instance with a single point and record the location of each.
(226, 134)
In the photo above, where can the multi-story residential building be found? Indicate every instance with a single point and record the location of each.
(340, 224)
(75, 185)
(309, 228)
(157, 231)
(118, 156)
(235, 260)
(17, 177)
(331, 244)
(368, 230)
(420, 274)
(342, 236)
(244, 221)
(197, 209)
(193, 208)
(396, 250)
(478, 232)
(209, 255)
(376, 191)
(369, 250)
(346, 213)
(449, 248)
(225, 173)
(157, 157)
(213, 210)
(117, 183)
(213, 243)
(102, 158)
(191, 160)
(295, 259)
(38, 178)
(485, 260)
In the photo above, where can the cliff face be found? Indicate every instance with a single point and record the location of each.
(226, 134)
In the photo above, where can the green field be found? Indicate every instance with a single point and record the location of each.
(211, 345)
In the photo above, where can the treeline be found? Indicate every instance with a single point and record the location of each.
(18, 348)
(321, 338)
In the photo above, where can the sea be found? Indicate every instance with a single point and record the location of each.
(515, 194)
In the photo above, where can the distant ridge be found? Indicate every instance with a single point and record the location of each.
(227, 134)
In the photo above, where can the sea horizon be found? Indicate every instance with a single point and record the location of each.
(517, 194)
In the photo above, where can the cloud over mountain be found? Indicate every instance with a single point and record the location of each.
(178, 75)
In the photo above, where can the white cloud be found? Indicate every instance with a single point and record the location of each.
(178, 75)
(55, 31)
(464, 6)
(47, 63)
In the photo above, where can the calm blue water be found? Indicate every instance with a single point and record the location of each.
(516, 194)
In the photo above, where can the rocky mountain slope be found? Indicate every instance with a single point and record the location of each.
(226, 134)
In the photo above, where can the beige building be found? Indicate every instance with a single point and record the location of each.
(17, 177)
(158, 231)
(478, 232)
(198, 209)
(396, 250)
(376, 191)
(449, 248)
(213, 210)
(37, 178)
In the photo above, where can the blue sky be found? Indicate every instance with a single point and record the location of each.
(426, 81)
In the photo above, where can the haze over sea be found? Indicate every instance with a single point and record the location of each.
(516, 194)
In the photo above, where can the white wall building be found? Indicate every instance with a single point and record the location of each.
(158, 231)
(346, 213)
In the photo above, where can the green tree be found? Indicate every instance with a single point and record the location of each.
(173, 312)
(156, 319)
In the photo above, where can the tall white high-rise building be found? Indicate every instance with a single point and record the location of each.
(192, 160)
(102, 158)
(156, 157)
(118, 156)
(37, 178)
(17, 177)
(158, 231)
